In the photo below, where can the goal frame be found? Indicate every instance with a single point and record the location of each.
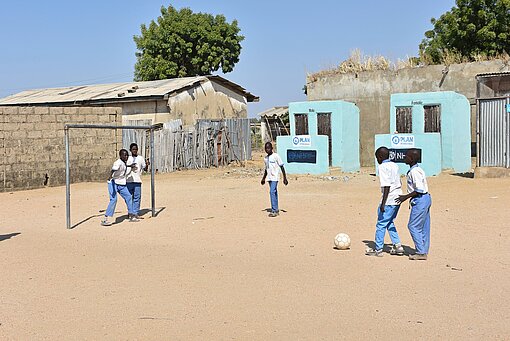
(67, 129)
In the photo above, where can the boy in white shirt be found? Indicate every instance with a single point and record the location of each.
(134, 180)
(419, 219)
(117, 184)
(387, 211)
(273, 165)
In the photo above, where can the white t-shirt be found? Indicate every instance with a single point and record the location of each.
(134, 175)
(416, 180)
(119, 172)
(273, 163)
(389, 177)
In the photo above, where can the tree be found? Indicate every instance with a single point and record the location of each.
(471, 29)
(182, 43)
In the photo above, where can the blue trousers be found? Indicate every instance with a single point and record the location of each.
(135, 188)
(113, 189)
(385, 222)
(419, 223)
(273, 194)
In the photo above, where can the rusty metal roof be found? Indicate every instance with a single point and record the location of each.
(117, 92)
(275, 111)
(491, 74)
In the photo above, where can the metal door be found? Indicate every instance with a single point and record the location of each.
(404, 120)
(301, 124)
(324, 128)
(432, 118)
(493, 133)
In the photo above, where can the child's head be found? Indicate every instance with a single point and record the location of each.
(123, 154)
(134, 149)
(381, 154)
(268, 147)
(412, 157)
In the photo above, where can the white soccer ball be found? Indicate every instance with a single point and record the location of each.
(342, 241)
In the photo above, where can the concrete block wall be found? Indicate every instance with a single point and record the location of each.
(32, 150)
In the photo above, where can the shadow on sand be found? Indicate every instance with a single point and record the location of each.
(469, 175)
(268, 210)
(8, 236)
(387, 247)
(121, 218)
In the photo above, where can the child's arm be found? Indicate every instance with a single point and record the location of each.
(263, 181)
(111, 175)
(386, 191)
(285, 181)
(404, 197)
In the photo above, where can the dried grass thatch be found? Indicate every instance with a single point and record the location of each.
(358, 62)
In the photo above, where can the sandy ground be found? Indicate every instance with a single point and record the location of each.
(213, 266)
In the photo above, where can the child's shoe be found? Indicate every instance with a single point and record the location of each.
(418, 256)
(133, 219)
(106, 222)
(274, 214)
(397, 249)
(372, 252)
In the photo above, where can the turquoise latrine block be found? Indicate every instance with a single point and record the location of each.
(455, 135)
(344, 128)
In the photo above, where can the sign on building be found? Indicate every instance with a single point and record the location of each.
(402, 141)
(301, 156)
(398, 155)
(302, 141)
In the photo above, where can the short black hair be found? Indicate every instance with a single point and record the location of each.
(122, 150)
(133, 145)
(268, 143)
(414, 153)
(383, 152)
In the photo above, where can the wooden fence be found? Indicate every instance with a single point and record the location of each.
(210, 143)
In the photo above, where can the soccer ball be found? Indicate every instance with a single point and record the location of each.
(342, 241)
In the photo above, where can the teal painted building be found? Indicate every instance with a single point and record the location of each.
(322, 134)
(438, 123)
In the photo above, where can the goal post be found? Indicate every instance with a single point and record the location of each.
(67, 127)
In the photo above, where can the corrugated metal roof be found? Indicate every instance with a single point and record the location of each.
(275, 111)
(115, 92)
(490, 74)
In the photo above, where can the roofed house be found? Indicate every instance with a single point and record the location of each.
(32, 147)
(188, 98)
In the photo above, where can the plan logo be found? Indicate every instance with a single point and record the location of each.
(302, 141)
(402, 141)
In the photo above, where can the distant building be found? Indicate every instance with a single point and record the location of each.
(493, 124)
(32, 126)
(188, 99)
(274, 122)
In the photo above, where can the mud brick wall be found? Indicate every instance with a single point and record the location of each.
(32, 149)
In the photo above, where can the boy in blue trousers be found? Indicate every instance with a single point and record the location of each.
(419, 219)
(273, 164)
(134, 179)
(117, 184)
(387, 211)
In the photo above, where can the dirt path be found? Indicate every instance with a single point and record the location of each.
(213, 266)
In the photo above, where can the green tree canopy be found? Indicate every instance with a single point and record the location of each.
(182, 43)
(472, 28)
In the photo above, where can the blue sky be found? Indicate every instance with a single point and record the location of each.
(60, 43)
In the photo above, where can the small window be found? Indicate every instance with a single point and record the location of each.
(404, 120)
(301, 124)
(432, 118)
